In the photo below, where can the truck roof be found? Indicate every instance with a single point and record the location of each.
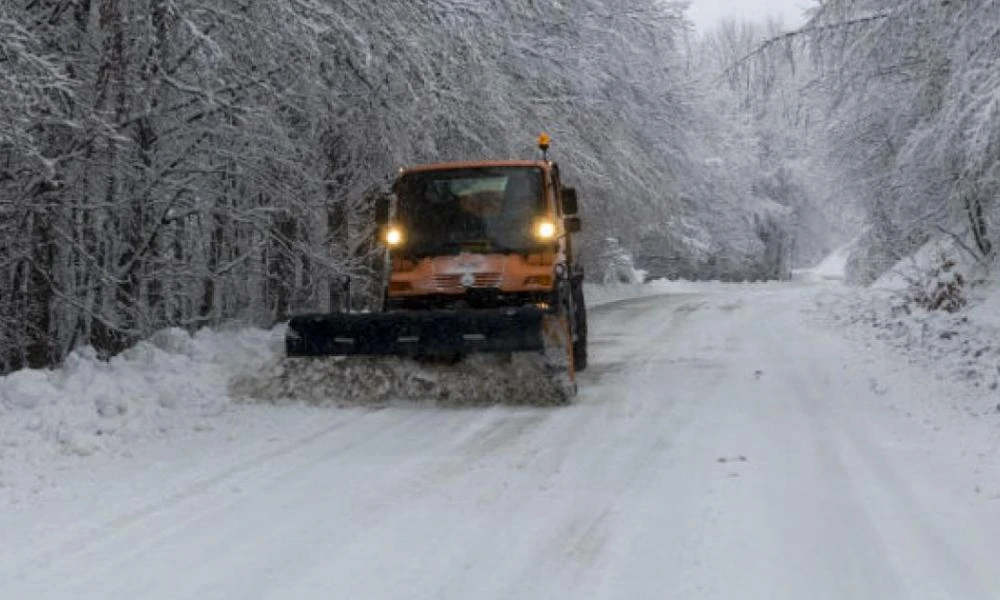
(474, 164)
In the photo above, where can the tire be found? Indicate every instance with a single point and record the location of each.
(580, 354)
(580, 323)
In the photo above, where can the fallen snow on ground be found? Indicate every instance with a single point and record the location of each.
(910, 270)
(728, 442)
(984, 303)
(170, 383)
(176, 383)
(961, 347)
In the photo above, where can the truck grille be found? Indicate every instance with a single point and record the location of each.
(480, 280)
(447, 281)
(488, 280)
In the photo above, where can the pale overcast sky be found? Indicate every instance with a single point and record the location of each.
(705, 13)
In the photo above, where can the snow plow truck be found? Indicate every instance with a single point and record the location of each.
(480, 261)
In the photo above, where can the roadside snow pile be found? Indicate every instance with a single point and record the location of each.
(952, 346)
(171, 380)
(940, 310)
(938, 277)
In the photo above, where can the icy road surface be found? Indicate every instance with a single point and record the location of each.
(726, 444)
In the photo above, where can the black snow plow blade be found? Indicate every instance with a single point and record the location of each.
(419, 334)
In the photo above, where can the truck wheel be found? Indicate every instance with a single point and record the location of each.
(580, 354)
(580, 323)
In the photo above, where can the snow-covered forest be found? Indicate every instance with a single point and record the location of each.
(187, 162)
(880, 118)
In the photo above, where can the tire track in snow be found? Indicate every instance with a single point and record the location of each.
(157, 520)
(600, 446)
(189, 491)
(190, 511)
(895, 519)
(630, 492)
(893, 500)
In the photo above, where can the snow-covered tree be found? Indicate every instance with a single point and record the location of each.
(908, 130)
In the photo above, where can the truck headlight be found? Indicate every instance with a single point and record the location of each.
(394, 236)
(545, 230)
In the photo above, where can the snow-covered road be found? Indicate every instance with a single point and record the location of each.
(727, 444)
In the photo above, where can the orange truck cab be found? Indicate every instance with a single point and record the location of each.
(479, 235)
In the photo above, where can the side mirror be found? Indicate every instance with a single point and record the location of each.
(572, 224)
(382, 210)
(569, 203)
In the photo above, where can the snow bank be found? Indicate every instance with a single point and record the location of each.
(955, 347)
(932, 254)
(171, 380)
(961, 346)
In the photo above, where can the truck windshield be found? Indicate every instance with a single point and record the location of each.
(489, 209)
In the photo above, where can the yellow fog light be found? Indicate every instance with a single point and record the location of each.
(545, 230)
(394, 236)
